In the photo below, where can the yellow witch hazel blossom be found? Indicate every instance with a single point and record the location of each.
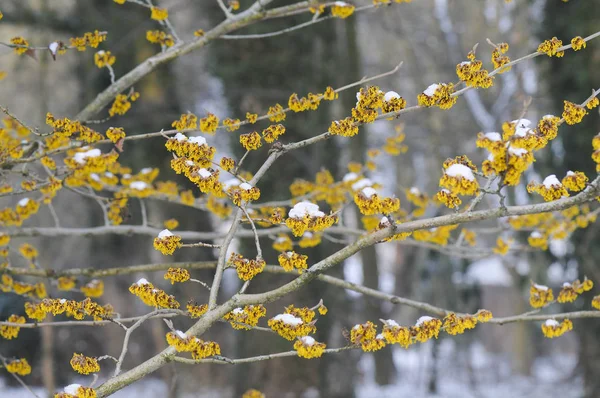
(11, 332)
(194, 149)
(306, 216)
(365, 335)
(177, 275)
(245, 318)
(307, 347)
(94, 288)
(471, 73)
(457, 324)
(538, 239)
(575, 181)
(570, 291)
(550, 189)
(246, 268)
(369, 202)
(540, 295)
(195, 310)
(458, 177)
(242, 192)
(291, 260)
(19, 366)
(552, 328)
(152, 296)
(426, 328)
(103, 59)
(84, 365)
(439, 94)
(197, 347)
(290, 327)
(341, 9)
(396, 334)
(76, 391)
(167, 242)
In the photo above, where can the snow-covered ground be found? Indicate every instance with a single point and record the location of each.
(489, 377)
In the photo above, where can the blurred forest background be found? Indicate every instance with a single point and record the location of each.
(231, 77)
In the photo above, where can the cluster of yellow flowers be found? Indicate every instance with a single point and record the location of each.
(456, 324)
(89, 39)
(122, 103)
(194, 149)
(177, 275)
(551, 47)
(152, 296)
(458, 179)
(158, 14)
(195, 310)
(438, 235)
(365, 335)
(245, 318)
(439, 95)
(21, 44)
(84, 365)
(570, 291)
(342, 10)
(540, 295)
(252, 393)
(291, 260)
(11, 332)
(552, 328)
(471, 73)
(166, 242)
(551, 189)
(293, 323)
(94, 288)
(307, 347)
(103, 59)
(306, 216)
(7, 284)
(499, 59)
(245, 268)
(197, 347)
(573, 113)
(19, 366)
(578, 43)
(76, 390)
(75, 309)
(160, 37)
(369, 202)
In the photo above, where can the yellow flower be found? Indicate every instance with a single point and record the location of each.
(306, 216)
(186, 121)
(342, 10)
(21, 44)
(28, 251)
(251, 141)
(246, 269)
(448, 198)
(232, 124)
(94, 288)
(458, 177)
(309, 239)
(159, 37)
(396, 334)
(11, 332)
(594, 102)
(369, 202)
(158, 14)
(88, 40)
(575, 181)
(471, 73)
(290, 327)
(365, 335)
(177, 275)
(251, 117)
(308, 347)
(578, 43)
(291, 260)
(19, 366)
(152, 296)
(454, 324)
(209, 123)
(66, 283)
(439, 95)
(330, 94)
(276, 113)
(104, 58)
(596, 302)
(345, 127)
(245, 318)
(4, 239)
(195, 310)
(540, 295)
(538, 240)
(273, 132)
(252, 393)
(573, 113)
(76, 391)
(550, 47)
(84, 365)
(502, 247)
(552, 328)
(550, 189)
(166, 242)
(426, 328)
